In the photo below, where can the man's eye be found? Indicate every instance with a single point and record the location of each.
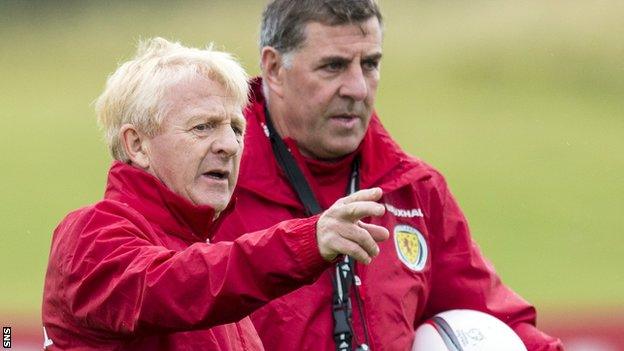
(203, 127)
(334, 66)
(370, 65)
(237, 130)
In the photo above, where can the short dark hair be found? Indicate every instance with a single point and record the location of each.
(284, 21)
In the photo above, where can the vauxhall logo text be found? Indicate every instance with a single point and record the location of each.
(401, 212)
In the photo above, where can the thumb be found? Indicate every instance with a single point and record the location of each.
(378, 233)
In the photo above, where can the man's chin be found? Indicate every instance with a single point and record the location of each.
(336, 153)
(211, 198)
(346, 146)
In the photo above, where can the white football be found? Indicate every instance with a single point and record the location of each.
(466, 330)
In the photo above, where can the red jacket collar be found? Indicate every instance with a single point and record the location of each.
(162, 207)
(383, 163)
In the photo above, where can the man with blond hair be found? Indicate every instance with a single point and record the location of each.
(312, 137)
(137, 270)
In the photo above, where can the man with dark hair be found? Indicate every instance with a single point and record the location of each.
(313, 136)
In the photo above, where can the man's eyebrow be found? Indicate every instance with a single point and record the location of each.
(210, 115)
(332, 59)
(340, 59)
(376, 56)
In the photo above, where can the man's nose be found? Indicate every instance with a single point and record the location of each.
(354, 85)
(227, 143)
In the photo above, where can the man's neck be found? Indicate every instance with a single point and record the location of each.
(278, 122)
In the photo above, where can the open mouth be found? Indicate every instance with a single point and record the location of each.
(217, 175)
(345, 121)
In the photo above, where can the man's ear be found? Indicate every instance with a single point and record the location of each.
(272, 65)
(135, 145)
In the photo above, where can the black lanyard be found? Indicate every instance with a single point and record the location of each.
(344, 276)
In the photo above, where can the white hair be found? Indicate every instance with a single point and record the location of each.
(134, 93)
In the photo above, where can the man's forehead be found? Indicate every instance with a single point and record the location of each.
(200, 90)
(199, 103)
(364, 36)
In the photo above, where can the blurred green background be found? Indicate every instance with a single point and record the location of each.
(519, 104)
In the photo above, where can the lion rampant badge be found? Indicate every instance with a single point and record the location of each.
(411, 247)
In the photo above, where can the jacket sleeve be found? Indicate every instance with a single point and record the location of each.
(116, 279)
(463, 278)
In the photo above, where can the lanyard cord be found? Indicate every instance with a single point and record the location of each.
(344, 276)
(289, 165)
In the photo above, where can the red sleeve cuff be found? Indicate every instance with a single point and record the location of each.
(301, 237)
(536, 340)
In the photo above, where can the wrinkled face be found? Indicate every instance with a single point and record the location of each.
(197, 151)
(330, 87)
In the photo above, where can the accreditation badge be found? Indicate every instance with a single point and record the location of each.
(411, 247)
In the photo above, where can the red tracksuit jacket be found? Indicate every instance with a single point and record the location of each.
(134, 272)
(430, 263)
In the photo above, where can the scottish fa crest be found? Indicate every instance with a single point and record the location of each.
(411, 247)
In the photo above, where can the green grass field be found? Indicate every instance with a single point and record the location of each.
(519, 104)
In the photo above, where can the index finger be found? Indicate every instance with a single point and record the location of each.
(355, 211)
(372, 194)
